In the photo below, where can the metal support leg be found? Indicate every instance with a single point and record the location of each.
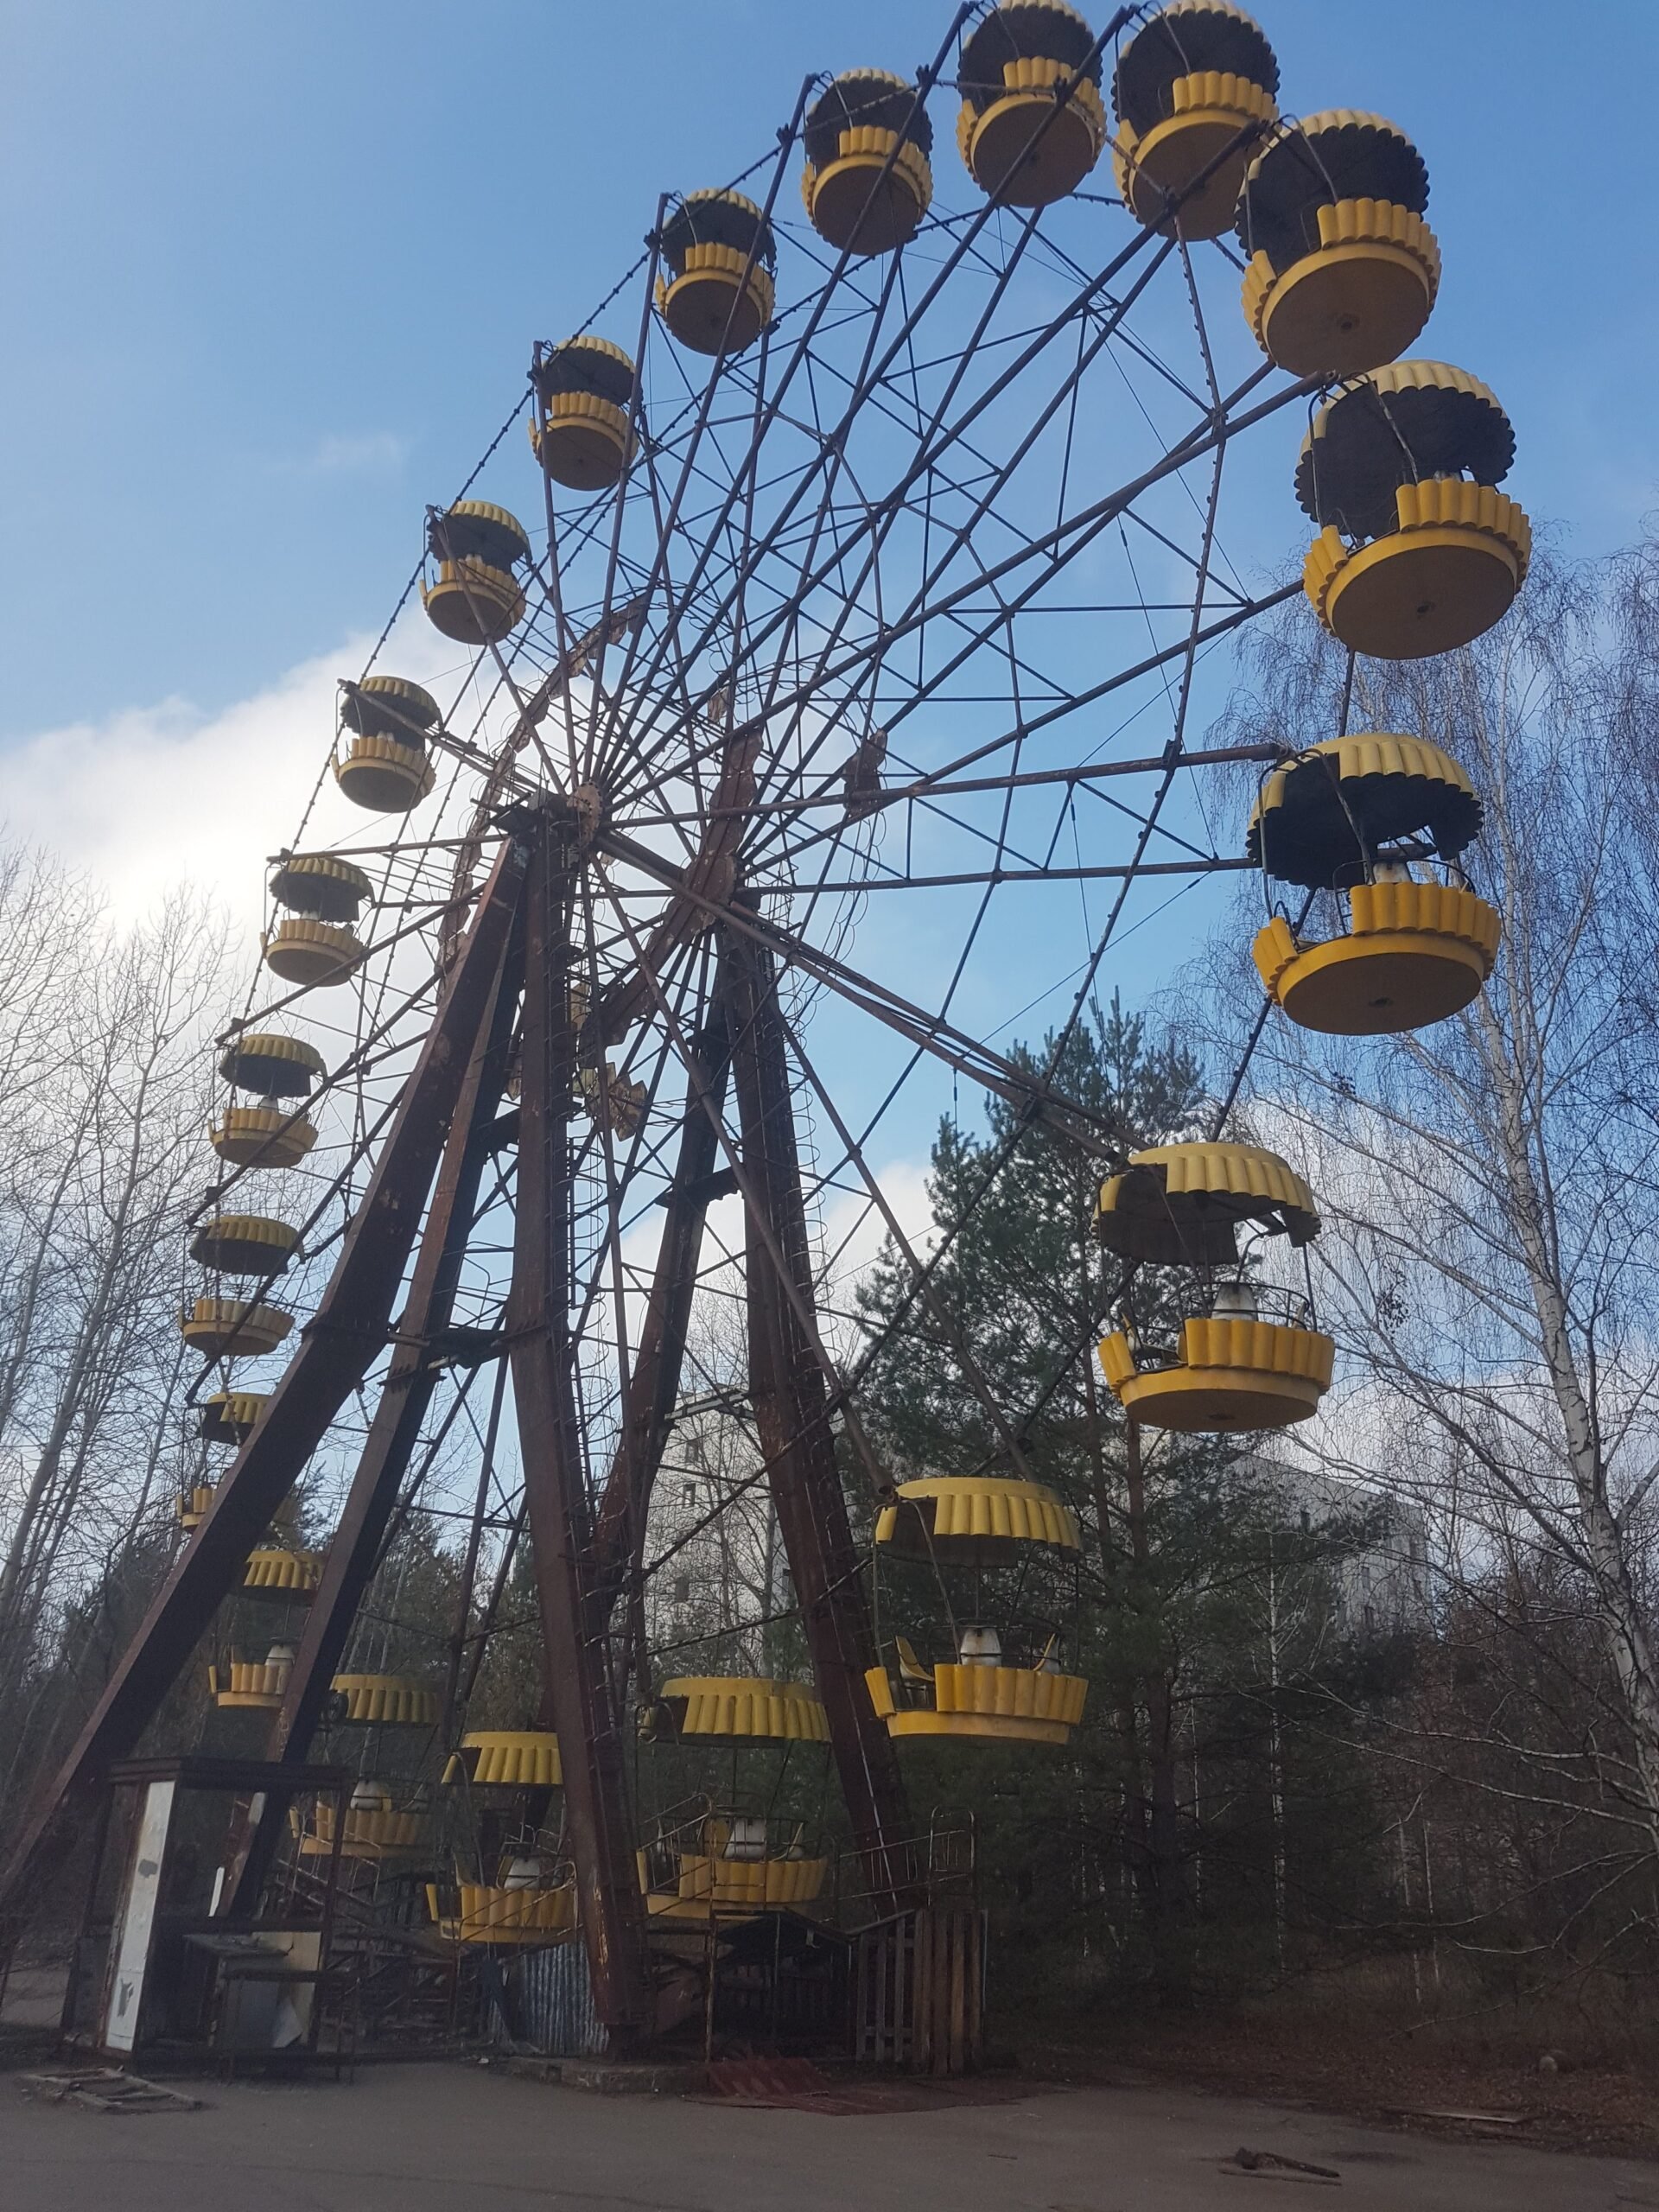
(655, 1383)
(336, 1349)
(538, 1324)
(786, 1384)
(405, 1397)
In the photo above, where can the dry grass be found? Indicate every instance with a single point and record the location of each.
(1355, 2042)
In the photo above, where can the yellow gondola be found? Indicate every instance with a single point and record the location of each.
(389, 706)
(867, 183)
(1349, 816)
(375, 1828)
(384, 767)
(1192, 91)
(256, 1685)
(272, 1066)
(506, 1759)
(976, 1524)
(380, 1702)
(321, 885)
(311, 954)
(532, 1901)
(230, 1417)
(383, 776)
(1342, 269)
(476, 598)
(731, 1856)
(732, 1864)
(1018, 143)
(721, 257)
(580, 431)
(1418, 552)
(234, 1328)
(751, 1710)
(193, 1504)
(262, 1136)
(1237, 1368)
(244, 1244)
(285, 1575)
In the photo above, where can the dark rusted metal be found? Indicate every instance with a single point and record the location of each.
(655, 1382)
(791, 1413)
(354, 1549)
(577, 1681)
(336, 1349)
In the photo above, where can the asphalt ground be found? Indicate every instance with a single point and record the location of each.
(457, 2138)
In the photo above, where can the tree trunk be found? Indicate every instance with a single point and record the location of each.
(1624, 1630)
(1167, 1899)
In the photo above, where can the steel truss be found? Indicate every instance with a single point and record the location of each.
(802, 654)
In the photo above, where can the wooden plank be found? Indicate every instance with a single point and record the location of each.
(958, 1993)
(904, 1994)
(921, 2039)
(975, 1988)
(107, 2090)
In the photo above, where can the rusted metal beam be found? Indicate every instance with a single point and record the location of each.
(577, 1684)
(655, 1383)
(791, 1400)
(336, 1350)
(405, 1397)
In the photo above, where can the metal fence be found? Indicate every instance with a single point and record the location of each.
(550, 2002)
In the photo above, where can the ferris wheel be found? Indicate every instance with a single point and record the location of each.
(814, 706)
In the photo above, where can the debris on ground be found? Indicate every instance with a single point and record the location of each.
(1275, 2162)
(105, 2088)
(1468, 2118)
(797, 2085)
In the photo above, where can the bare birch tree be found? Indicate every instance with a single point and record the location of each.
(103, 1042)
(1491, 1263)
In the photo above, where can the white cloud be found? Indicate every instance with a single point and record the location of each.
(152, 796)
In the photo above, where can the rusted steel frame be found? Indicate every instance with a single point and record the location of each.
(766, 413)
(1200, 864)
(709, 875)
(1178, 740)
(792, 1410)
(469, 1562)
(502, 775)
(336, 1350)
(934, 1035)
(1073, 534)
(1005, 1149)
(555, 587)
(356, 1546)
(604, 1128)
(411, 1378)
(1029, 725)
(655, 1383)
(804, 1313)
(931, 787)
(538, 1325)
(960, 536)
(637, 433)
(734, 603)
(973, 1373)
(869, 380)
(479, 1639)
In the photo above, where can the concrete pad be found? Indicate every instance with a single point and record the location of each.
(448, 2138)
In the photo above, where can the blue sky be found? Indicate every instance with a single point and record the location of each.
(272, 274)
(271, 277)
